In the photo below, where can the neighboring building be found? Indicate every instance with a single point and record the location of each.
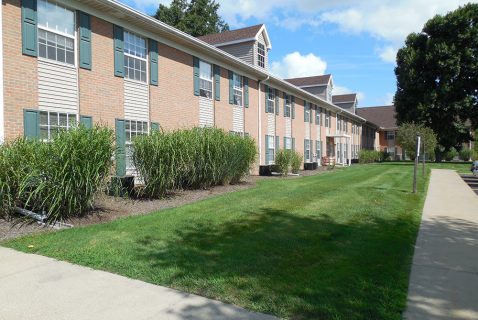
(384, 118)
(101, 61)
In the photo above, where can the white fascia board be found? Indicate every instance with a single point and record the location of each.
(268, 40)
(233, 42)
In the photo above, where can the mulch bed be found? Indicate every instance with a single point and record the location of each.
(111, 208)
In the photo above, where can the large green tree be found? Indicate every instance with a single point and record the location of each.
(195, 17)
(437, 76)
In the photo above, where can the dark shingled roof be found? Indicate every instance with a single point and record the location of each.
(310, 81)
(342, 98)
(383, 116)
(233, 35)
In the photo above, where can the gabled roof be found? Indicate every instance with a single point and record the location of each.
(237, 36)
(383, 116)
(315, 81)
(344, 98)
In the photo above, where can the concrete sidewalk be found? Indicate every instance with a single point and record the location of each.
(40, 288)
(444, 276)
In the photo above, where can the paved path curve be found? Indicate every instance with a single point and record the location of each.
(444, 277)
(40, 288)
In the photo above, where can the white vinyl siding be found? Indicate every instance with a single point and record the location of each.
(238, 119)
(57, 87)
(287, 105)
(288, 127)
(243, 51)
(271, 124)
(206, 112)
(136, 100)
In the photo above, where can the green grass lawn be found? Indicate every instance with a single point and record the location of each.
(331, 246)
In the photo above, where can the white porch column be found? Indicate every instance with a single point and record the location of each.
(2, 120)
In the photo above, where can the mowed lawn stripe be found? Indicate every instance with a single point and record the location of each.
(332, 246)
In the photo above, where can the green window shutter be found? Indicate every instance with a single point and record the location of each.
(85, 40)
(246, 92)
(266, 94)
(196, 75)
(277, 144)
(31, 124)
(118, 36)
(293, 143)
(277, 101)
(293, 107)
(120, 148)
(217, 83)
(267, 149)
(86, 121)
(231, 87)
(154, 126)
(29, 27)
(153, 62)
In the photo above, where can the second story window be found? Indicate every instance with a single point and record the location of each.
(270, 100)
(56, 32)
(287, 105)
(318, 111)
(237, 81)
(205, 79)
(134, 57)
(390, 135)
(327, 119)
(261, 55)
(306, 112)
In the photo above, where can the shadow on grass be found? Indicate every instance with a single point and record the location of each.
(292, 266)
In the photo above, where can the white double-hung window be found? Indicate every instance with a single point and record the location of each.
(56, 32)
(237, 83)
(287, 105)
(133, 129)
(261, 55)
(270, 145)
(205, 79)
(135, 61)
(270, 100)
(51, 123)
(307, 155)
(288, 143)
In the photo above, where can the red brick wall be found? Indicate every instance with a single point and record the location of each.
(101, 93)
(20, 72)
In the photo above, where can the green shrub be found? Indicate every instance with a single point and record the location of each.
(466, 154)
(370, 156)
(450, 154)
(194, 158)
(283, 161)
(296, 162)
(59, 178)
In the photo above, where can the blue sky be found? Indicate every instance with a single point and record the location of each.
(355, 41)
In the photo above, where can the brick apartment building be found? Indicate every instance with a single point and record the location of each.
(100, 61)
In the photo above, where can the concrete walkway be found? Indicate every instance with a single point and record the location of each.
(40, 288)
(444, 277)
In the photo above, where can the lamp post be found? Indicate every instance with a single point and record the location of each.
(417, 154)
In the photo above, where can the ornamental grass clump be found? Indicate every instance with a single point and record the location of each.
(191, 159)
(59, 178)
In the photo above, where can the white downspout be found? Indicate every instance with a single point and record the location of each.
(2, 110)
(259, 138)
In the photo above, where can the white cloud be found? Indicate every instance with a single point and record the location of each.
(388, 54)
(389, 98)
(345, 90)
(297, 65)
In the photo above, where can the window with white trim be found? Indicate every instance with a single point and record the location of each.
(327, 119)
(390, 135)
(205, 79)
(271, 145)
(261, 55)
(307, 150)
(237, 82)
(318, 112)
(270, 100)
(135, 61)
(287, 143)
(318, 148)
(307, 112)
(287, 106)
(346, 126)
(133, 129)
(51, 123)
(56, 32)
